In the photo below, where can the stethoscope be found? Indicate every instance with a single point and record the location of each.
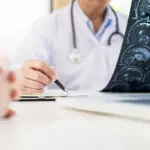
(76, 56)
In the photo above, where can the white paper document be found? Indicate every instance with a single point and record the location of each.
(133, 106)
(60, 93)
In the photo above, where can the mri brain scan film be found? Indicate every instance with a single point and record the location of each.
(132, 73)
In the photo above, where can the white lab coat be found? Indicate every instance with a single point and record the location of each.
(50, 40)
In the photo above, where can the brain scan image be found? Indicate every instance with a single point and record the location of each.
(143, 88)
(132, 72)
(142, 9)
(129, 75)
(139, 34)
(120, 87)
(136, 56)
(147, 77)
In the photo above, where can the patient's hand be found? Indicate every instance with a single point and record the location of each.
(7, 92)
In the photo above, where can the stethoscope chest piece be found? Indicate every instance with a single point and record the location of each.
(75, 56)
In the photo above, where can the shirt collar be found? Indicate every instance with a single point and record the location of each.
(80, 12)
(82, 18)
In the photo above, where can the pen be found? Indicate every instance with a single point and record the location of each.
(59, 84)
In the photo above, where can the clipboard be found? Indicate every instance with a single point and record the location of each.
(52, 95)
(49, 95)
(37, 99)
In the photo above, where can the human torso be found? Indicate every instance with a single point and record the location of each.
(99, 59)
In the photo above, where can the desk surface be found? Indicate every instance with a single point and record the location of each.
(45, 125)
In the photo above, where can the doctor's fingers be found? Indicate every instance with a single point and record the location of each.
(42, 67)
(32, 84)
(36, 76)
(25, 90)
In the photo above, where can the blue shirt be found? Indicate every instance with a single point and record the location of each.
(107, 23)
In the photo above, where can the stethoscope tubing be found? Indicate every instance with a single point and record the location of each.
(117, 32)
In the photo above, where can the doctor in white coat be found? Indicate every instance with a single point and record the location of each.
(75, 45)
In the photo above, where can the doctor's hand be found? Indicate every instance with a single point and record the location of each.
(36, 75)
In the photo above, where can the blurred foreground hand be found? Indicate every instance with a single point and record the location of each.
(7, 92)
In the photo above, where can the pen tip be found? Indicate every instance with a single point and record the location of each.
(67, 91)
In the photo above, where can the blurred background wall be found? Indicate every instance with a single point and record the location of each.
(61, 3)
(16, 16)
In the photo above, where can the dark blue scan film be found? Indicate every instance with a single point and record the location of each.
(132, 73)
